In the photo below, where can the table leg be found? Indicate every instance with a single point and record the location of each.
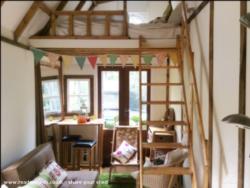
(100, 145)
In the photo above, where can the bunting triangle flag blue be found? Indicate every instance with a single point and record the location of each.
(38, 54)
(80, 61)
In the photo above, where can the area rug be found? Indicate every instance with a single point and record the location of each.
(126, 181)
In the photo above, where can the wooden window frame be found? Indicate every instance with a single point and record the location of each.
(46, 78)
(121, 79)
(91, 79)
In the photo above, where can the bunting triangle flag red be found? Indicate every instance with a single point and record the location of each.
(92, 61)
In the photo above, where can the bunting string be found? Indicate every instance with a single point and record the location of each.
(54, 59)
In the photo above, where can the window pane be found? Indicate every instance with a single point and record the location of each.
(78, 95)
(134, 110)
(110, 97)
(51, 97)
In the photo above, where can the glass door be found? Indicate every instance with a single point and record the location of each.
(119, 96)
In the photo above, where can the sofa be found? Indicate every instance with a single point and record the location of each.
(29, 166)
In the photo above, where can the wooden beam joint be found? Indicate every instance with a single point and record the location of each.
(44, 8)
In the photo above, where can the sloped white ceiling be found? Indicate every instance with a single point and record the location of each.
(12, 13)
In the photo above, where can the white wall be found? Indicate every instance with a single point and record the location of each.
(226, 84)
(247, 154)
(17, 103)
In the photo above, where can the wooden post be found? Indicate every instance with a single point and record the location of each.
(88, 25)
(125, 17)
(211, 83)
(62, 89)
(107, 25)
(53, 24)
(71, 26)
(40, 129)
(242, 97)
(140, 107)
(167, 85)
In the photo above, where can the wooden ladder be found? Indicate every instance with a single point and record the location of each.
(171, 171)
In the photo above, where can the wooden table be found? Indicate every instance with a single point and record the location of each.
(65, 125)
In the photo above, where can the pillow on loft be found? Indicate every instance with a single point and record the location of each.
(124, 152)
(175, 157)
(56, 173)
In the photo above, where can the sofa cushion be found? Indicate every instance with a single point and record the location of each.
(56, 173)
(42, 181)
(80, 179)
(29, 166)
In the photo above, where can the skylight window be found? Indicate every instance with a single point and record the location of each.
(138, 17)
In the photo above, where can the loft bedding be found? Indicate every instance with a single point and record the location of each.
(156, 30)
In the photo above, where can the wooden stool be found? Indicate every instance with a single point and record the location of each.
(67, 142)
(79, 147)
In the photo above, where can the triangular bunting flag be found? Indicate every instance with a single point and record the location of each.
(173, 57)
(135, 60)
(160, 57)
(104, 60)
(124, 60)
(67, 60)
(92, 61)
(80, 61)
(53, 59)
(147, 59)
(112, 58)
(38, 54)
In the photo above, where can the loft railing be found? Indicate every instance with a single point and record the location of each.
(89, 17)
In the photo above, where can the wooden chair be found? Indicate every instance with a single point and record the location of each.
(129, 134)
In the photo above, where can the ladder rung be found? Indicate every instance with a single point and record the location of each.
(160, 145)
(165, 123)
(161, 84)
(159, 67)
(162, 102)
(166, 170)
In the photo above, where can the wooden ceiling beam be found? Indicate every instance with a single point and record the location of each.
(45, 29)
(26, 20)
(61, 5)
(44, 8)
(2, 2)
(92, 6)
(101, 2)
(95, 3)
(80, 5)
(197, 11)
